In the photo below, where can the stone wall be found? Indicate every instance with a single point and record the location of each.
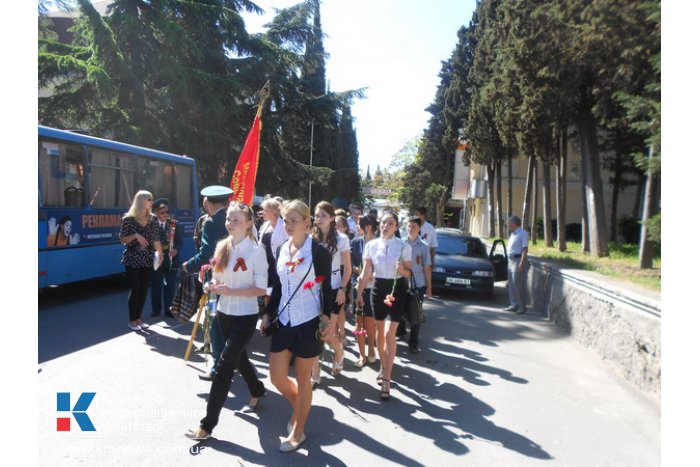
(624, 328)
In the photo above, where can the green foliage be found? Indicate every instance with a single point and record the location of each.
(183, 76)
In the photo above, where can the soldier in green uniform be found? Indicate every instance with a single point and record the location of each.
(213, 229)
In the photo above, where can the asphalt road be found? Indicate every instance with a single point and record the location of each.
(491, 388)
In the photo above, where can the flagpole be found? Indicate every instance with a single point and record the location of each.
(311, 158)
(264, 96)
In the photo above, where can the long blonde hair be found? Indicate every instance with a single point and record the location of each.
(222, 254)
(138, 206)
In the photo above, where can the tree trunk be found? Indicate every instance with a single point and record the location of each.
(509, 196)
(440, 209)
(637, 211)
(598, 233)
(499, 201)
(492, 211)
(533, 221)
(547, 205)
(617, 180)
(585, 239)
(561, 193)
(528, 194)
(646, 246)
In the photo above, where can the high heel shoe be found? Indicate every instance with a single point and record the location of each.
(380, 377)
(338, 366)
(386, 388)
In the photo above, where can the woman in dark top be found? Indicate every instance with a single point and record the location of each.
(139, 232)
(302, 301)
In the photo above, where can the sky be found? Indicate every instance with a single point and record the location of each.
(394, 48)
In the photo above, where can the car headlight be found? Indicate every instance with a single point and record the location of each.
(483, 273)
(439, 269)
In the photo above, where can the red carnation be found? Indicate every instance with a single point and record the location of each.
(308, 285)
(319, 279)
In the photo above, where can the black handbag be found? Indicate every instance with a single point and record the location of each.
(414, 307)
(186, 300)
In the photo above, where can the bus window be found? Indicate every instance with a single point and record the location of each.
(157, 177)
(183, 176)
(62, 174)
(111, 179)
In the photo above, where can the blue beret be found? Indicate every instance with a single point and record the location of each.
(216, 191)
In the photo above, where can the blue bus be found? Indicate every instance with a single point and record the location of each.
(86, 184)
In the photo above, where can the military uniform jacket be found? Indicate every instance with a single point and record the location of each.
(213, 230)
(165, 242)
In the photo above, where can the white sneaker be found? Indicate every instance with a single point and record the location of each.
(134, 327)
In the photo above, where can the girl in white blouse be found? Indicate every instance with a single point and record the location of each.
(338, 245)
(240, 276)
(390, 260)
(301, 302)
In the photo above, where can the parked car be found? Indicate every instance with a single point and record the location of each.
(461, 263)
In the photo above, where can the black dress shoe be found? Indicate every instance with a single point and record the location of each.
(414, 350)
(208, 376)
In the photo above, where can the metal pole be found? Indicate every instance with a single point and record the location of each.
(311, 158)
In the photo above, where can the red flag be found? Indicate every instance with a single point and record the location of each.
(243, 180)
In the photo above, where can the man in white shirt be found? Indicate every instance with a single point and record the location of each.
(427, 233)
(517, 266)
(356, 212)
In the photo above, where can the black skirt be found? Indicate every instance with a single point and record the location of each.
(381, 288)
(300, 340)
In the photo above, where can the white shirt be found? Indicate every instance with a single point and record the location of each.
(384, 254)
(343, 245)
(352, 225)
(278, 237)
(428, 235)
(306, 304)
(517, 241)
(255, 275)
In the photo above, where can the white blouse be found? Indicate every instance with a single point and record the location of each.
(255, 275)
(279, 234)
(306, 304)
(384, 254)
(343, 245)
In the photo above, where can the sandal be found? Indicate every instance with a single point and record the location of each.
(359, 363)
(380, 377)
(386, 387)
(338, 366)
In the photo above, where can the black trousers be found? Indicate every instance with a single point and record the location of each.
(139, 280)
(238, 330)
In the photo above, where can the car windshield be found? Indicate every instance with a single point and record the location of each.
(451, 245)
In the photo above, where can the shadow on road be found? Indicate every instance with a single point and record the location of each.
(445, 414)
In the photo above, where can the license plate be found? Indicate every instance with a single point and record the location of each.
(458, 280)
